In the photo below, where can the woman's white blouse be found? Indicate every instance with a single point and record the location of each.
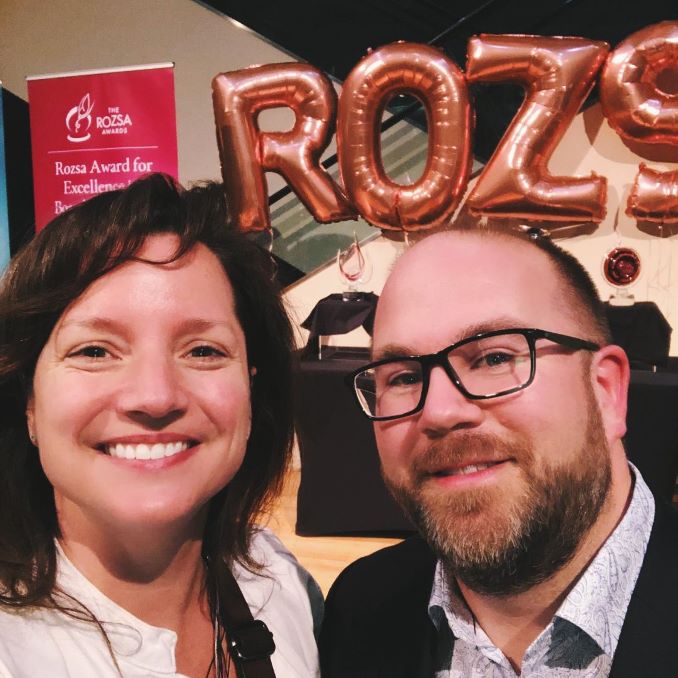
(48, 643)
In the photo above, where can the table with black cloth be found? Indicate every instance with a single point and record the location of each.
(642, 331)
(341, 489)
(336, 314)
(652, 439)
(652, 422)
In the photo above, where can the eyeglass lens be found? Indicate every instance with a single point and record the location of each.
(485, 367)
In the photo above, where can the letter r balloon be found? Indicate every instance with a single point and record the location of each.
(246, 152)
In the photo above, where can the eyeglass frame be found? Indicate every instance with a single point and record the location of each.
(439, 359)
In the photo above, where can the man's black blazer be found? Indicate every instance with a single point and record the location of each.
(377, 625)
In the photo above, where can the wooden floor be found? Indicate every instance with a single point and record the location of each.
(323, 557)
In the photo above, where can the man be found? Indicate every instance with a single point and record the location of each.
(543, 552)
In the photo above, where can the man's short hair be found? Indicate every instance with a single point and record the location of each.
(580, 291)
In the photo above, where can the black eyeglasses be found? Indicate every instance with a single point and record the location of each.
(486, 365)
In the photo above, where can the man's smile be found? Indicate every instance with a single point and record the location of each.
(466, 469)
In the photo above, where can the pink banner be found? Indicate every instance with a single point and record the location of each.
(97, 131)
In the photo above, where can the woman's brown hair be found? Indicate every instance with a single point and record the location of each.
(52, 271)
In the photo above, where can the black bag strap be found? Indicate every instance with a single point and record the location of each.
(250, 643)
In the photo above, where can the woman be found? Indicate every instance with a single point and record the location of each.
(144, 362)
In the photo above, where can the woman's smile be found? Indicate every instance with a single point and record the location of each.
(154, 446)
(144, 451)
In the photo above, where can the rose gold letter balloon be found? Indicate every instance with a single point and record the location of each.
(654, 196)
(631, 93)
(437, 82)
(639, 96)
(557, 74)
(246, 152)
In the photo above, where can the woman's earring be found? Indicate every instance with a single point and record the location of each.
(32, 437)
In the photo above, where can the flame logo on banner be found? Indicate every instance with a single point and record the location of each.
(79, 120)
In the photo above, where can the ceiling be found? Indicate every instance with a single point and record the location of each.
(335, 35)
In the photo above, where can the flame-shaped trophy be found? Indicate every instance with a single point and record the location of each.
(354, 269)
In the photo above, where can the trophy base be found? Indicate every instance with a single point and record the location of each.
(352, 296)
(621, 300)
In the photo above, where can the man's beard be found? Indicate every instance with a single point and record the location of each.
(499, 543)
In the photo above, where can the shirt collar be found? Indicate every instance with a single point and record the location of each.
(134, 641)
(597, 603)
